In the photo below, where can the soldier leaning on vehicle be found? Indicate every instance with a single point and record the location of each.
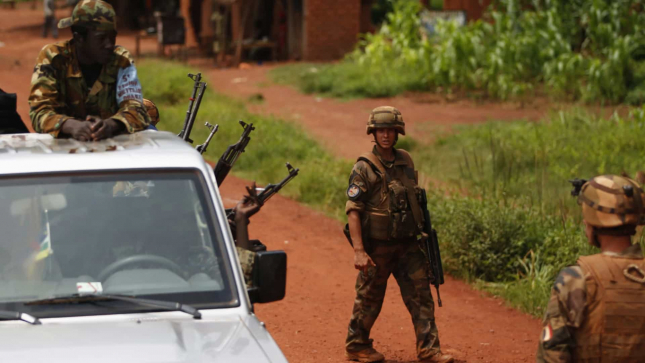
(596, 309)
(383, 207)
(87, 87)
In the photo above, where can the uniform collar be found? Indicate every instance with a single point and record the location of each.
(633, 251)
(399, 160)
(73, 67)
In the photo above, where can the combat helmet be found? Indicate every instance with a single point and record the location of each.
(385, 117)
(611, 201)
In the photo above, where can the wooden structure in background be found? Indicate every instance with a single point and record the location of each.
(474, 8)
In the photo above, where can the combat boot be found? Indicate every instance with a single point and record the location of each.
(438, 358)
(365, 355)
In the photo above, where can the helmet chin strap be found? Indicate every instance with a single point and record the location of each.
(594, 237)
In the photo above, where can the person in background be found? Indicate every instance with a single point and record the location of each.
(49, 8)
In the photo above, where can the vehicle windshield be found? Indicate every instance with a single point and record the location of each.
(144, 234)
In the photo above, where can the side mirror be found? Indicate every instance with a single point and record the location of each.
(269, 277)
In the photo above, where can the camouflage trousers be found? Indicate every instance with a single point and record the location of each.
(407, 262)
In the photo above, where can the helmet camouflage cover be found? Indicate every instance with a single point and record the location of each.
(385, 117)
(611, 201)
(95, 14)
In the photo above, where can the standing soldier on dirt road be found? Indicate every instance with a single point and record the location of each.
(596, 309)
(87, 87)
(384, 221)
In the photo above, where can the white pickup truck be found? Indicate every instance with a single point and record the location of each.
(120, 251)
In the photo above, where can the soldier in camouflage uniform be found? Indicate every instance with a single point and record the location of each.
(87, 87)
(385, 221)
(596, 309)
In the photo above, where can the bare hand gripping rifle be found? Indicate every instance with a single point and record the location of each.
(431, 247)
(231, 154)
(270, 190)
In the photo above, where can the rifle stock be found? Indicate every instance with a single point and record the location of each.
(227, 160)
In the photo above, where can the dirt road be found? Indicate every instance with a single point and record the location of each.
(340, 125)
(310, 323)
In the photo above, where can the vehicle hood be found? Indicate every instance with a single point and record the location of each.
(135, 340)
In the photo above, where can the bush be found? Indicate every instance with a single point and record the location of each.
(587, 49)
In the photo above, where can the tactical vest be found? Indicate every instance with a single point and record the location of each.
(403, 217)
(614, 326)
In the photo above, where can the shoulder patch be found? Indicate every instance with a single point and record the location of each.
(547, 333)
(354, 192)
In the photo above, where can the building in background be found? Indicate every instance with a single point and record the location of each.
(232, 30)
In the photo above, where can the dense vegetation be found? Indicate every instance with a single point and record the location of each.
(590, 50)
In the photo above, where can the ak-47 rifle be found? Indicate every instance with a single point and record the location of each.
(231, 154)
(193, 106)
(431, 247)
(270, 190)
(577, 186)
(202, 148)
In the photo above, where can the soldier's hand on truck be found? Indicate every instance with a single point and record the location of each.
(105, 128)
(77, 129)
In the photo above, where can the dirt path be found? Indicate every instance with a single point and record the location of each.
(310, 323)
(340, 125)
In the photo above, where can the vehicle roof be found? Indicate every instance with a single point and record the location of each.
(38, 153)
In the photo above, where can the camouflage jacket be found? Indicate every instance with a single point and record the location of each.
(246, 261)
(58, 91)
(565, 311)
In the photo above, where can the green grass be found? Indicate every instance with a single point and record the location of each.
(567, 50)
(503, 212)
(321, 181)
(347, 80)
(508, 222)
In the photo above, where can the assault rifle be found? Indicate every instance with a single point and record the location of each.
(577, 186)
(271, 189)
(193, 106)
(431, 247)
(202, 148)
(231, 154)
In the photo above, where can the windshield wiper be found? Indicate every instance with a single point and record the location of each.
(16, 315)
(76, 298)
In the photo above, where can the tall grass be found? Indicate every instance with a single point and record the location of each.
(517, 225)
(590, 50)
(274, 142)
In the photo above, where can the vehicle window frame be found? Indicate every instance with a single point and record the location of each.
(198, 299)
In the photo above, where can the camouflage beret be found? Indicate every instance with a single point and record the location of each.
(95, 14)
